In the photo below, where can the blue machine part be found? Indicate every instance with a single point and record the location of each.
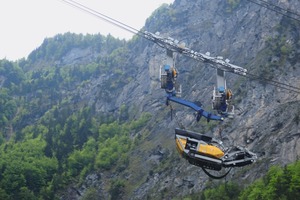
(221, 89)
(200, 111)
(167, 67)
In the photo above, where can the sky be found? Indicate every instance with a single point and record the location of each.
(25, 24)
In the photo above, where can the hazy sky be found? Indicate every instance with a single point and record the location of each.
(26, 23)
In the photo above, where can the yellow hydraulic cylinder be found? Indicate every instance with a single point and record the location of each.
(180, 143)
(210, 150)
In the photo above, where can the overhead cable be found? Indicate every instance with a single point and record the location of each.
(174, 45)
(287, 13)
(100, 15)
(274, 83)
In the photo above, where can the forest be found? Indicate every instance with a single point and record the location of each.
(83, 106)
(50, 137)
(278, 183)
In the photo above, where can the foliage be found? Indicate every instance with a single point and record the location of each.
(79, 159)
(8, 107)
(278, 183)
(25, 170)
(117, 142)
(49, 133)
(52, 152)
(227, 191)
(90, 194)
(232, 4)
(284, 44)
(57, 47)
(164, 12)
(13, 73)
(116, 189)
(138, 124)
(113, 150)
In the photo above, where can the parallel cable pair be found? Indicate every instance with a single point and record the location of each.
(171, 44)
(285, 12)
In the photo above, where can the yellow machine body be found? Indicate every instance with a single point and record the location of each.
(180, 144)
(205, 149)
(210, 150)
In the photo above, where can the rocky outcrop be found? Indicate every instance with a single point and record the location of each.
(267, 118)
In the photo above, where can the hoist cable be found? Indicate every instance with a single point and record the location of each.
(280, 8)
(101, 16)
(286, 10)
(163, 44)
(274, 83)
(277, 9)
(176, 118)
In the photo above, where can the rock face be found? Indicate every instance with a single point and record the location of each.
(267, 118)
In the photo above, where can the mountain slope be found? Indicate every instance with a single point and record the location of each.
(96, 102)
(267, 118)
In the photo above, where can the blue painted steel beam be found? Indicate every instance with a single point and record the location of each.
(200, 111)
